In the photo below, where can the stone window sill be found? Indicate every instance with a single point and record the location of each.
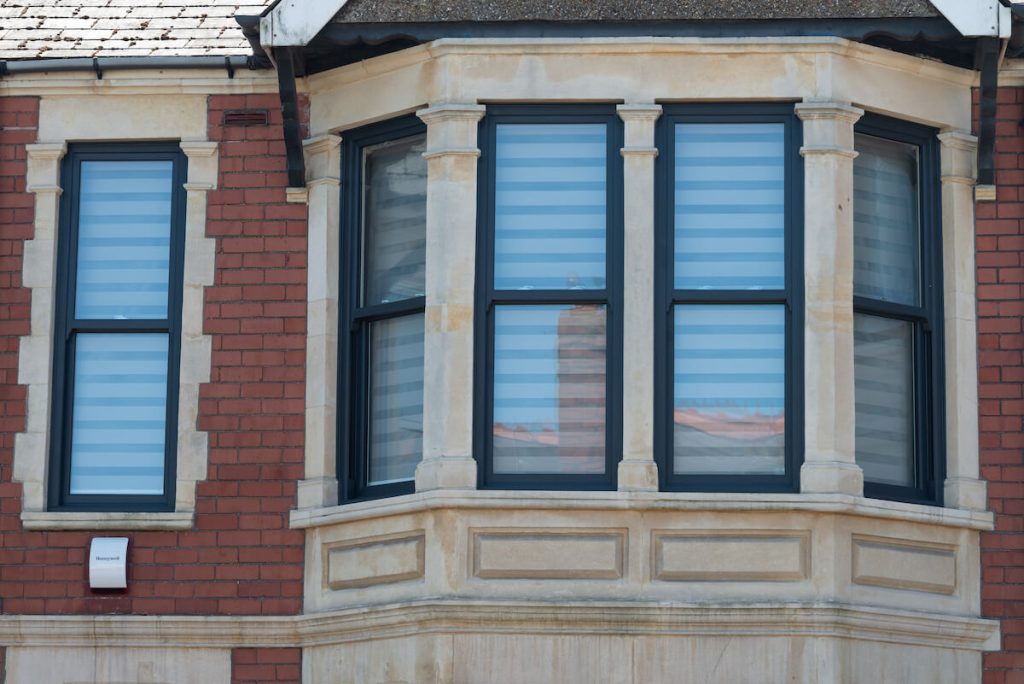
(75, 520)
(666, 501)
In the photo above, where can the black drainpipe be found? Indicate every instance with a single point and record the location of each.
(290, 114)
(987, 60)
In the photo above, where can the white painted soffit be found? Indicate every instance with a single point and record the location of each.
(976, 18)
(297, 22)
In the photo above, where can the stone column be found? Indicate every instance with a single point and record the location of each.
(828, 152)
(34, 361)
(196, 348)
(451, 270)
(323, 166)
(963, 488)
(637, 470)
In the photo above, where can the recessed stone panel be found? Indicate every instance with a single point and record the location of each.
(374, 560)
(899, 564)
(561, 554)
(730, 556)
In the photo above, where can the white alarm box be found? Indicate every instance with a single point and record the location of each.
(108, 563)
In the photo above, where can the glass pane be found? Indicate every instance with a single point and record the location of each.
(885, 214)
(120, 414)
(396, 399)
(730, 389)
(730, 206)
(124, 239)
(550, 206)
(884, 387)
(549, 389)
(394, 220)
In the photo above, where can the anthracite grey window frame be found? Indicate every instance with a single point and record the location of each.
(667, 297)
(67, 327)
(488, 297)
(355, 320)
(927, 318)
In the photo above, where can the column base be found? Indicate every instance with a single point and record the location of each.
(446, 473)
(832, 477)
(967, 493)
(638, 476)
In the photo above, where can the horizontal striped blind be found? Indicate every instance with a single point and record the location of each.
(884, 395)
(550, 206)
(549, 389)
(886, 229)
(730, 384)
(119, 416)
(124, 237)
(396, 398)
(730, 209)
(394, 220)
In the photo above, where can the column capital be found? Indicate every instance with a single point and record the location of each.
(639, 112)
(198, 148)
(959, 156)
(813, 110)
(46, 151)
(323, 159)
(202, 164)
(452, 112)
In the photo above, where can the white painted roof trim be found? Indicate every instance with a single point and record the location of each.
(976, 18)
(297, 22)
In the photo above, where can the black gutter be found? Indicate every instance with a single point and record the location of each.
(290, 113)
(100, 65)
(987, 60)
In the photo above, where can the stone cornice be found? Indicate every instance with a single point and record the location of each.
(504, 617)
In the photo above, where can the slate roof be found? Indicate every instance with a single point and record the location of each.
(33, 29)
(370, 11)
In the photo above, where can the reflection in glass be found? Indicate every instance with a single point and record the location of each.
(883, 383)
(124, 238)
(886, 223)
(549, 389)
(550, 206)
(120, 414)
(394, 220)
(730, 389)
(730, 206)
(396, 399)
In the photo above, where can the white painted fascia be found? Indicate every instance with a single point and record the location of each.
(976, 18)
(296, 22)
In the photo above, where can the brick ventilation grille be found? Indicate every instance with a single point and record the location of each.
(1000, 267)
(241, 557)
(259, 665)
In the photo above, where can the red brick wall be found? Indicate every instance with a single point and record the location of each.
(240, 558)
(1000, 263)
(259, 665)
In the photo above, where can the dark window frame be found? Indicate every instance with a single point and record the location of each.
(487, 297)
(354, 320)
(667, 297)
(66, 327)
(927, 318)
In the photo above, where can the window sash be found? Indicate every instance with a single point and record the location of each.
(668, 297)
(69, 329)
(357, 319)
(490, 298)
(924, 315)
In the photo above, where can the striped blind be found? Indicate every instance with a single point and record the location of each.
(549, 388)
(730, 381)
(120, 413)
(730, 206)
(124, 237)
(886, 222)
(396, 398)
(550, 206)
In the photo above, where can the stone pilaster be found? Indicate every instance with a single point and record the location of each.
(637, 470)
(963, 488)
(451, 269)
(828, 152)
(323, 164)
